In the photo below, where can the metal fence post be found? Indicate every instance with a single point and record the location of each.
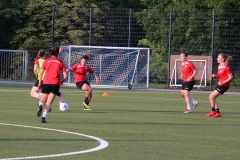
(169, 44)
(53, 23)
(213, 33)
(90, 28)
(130, 25)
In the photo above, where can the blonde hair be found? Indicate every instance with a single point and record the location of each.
(225, 57)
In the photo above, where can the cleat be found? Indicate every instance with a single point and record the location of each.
(218, 114)
(86, 109)
(195, 105)
(187, 111)
(211, 113)
(50, 110)
(39, 112)
(43, 120)
(85, 105)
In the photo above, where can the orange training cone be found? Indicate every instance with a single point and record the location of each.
(105, 94)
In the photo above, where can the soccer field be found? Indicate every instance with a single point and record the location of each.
(127, 125)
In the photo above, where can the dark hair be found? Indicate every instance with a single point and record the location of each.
(86, 56)
(54, 51)
(41, 53)
(225, 57)
(186, 53)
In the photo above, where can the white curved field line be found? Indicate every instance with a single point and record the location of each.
(103, 143)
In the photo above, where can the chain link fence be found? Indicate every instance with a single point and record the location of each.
(166, 32)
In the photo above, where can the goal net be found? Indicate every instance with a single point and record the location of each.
(114, 66)
(13, 65)
(203, 66)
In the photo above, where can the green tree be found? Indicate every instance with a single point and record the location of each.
(11, 19)
(37, 32)
(134, 4)
(191, 28)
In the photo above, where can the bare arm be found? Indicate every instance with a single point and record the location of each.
(64, 77)
(35, 70)
(40, 79)
(194, 73)
(96, 77)
(226, 81)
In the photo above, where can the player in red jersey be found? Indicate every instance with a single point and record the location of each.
(51, 83)
(37, 68)
(224, 76)
(81, 81)
(188, 73)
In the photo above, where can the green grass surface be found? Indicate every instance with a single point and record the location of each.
(137, 124)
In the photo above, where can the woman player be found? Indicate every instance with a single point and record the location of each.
(37, 67)
(51, 83)
(188, 73)
(80, 79)
(224, 76)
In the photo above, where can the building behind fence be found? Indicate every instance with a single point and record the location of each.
(166, 32)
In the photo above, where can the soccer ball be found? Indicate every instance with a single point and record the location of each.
(63, 107)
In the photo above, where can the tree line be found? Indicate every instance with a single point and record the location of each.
(26, 24)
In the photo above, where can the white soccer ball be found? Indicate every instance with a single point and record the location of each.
(63, 107)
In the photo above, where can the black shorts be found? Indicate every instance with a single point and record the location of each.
(80, 84)
(51, 88)
(36, 83)
(188, 85)
(221, 89)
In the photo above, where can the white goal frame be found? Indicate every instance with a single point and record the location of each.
(13, 65)
(173, 79)
(138, 72)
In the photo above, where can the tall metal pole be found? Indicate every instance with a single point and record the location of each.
(169, 44)
(53, 24)
(129, 27)
(90, 29)
(213, 33)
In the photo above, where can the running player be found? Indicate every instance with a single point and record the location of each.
(224, 76)
(80, 79)
(37, 67)
(51, 83)
(188, 73)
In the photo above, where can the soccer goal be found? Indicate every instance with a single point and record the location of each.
(13, 65)
(115, 66)
(203, 66)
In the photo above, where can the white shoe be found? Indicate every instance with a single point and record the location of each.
(195, 105)
(187, 111)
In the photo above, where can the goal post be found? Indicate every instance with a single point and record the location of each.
(13, 65)
(203, 66)
(115, 66)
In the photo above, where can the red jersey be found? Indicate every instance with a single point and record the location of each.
(53, 67)
(223, 72)
(80, 72)
(187, 70)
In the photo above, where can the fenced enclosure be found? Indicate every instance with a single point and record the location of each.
(115, 66)
(13, 65)
(166, 32)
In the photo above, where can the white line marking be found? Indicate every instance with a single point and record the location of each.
(103, 143)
